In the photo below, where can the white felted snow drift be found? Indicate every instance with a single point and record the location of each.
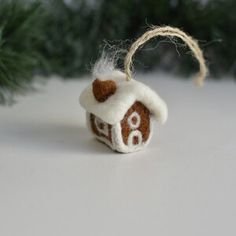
(120, 110)
(115, 107)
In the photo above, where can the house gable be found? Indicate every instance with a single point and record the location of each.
(136, 123)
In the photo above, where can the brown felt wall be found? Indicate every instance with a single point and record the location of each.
(144, 125)
(95, 130)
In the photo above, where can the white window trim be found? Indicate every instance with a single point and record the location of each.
(135, 133)
(105, 130)
(131, 124)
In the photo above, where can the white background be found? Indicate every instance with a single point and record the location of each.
(55, 179)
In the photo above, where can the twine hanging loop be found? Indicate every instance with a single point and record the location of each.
(167, 31)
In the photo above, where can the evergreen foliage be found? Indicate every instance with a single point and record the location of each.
(64, 37)
(20, 34)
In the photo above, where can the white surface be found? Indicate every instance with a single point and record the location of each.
(55, 179)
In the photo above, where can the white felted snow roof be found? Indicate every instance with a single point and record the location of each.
(115, 107)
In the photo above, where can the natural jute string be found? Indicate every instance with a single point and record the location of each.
(169, 32)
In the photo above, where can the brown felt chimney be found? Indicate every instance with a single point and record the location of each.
(103, 89)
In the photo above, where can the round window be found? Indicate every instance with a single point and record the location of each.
(134, 120)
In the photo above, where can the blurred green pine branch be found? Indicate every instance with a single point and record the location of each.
(20, 34)
(64, 37)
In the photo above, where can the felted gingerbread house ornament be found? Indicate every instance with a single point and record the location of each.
(120, 110)
(120, 114)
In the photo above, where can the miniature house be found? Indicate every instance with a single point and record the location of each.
(120, 113)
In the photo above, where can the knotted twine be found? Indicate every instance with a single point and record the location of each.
(168, 32)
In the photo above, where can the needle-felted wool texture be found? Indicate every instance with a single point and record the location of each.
(137, 117)
(121, 114)
(103, 89)
(120, 110)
